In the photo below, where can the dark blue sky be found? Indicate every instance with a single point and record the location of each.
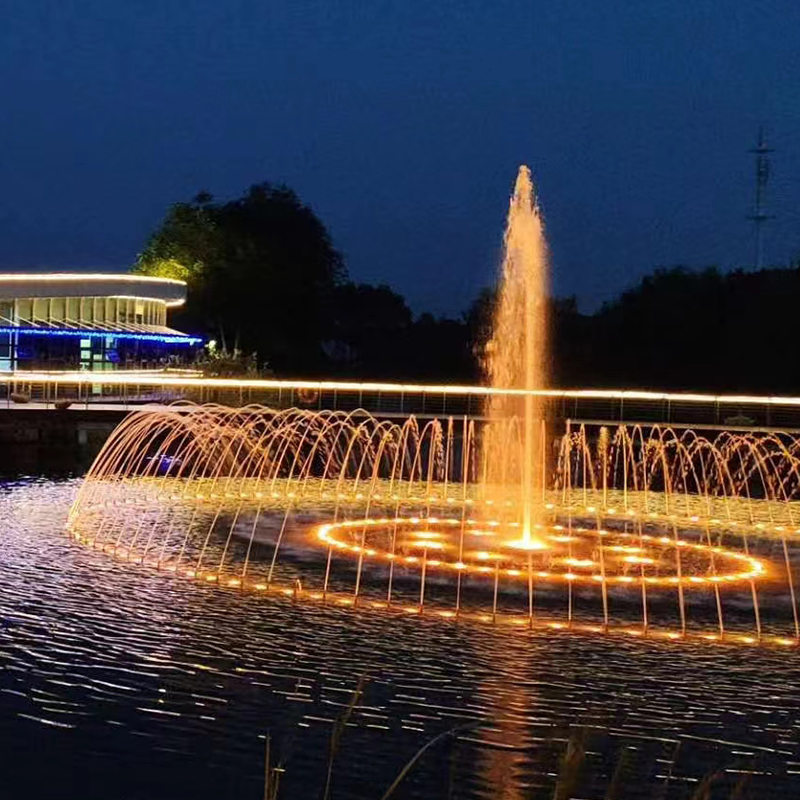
(402, 124)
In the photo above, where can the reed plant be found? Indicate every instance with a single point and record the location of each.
(571, 767)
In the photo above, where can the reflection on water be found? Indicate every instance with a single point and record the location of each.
(122, 682)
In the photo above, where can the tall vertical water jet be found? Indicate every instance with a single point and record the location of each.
(517, 358)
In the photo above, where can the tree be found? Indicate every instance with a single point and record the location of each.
(479, 320)
(566, 337)
(696, 331)
(261, 270)
(372, 324)
(441, 351)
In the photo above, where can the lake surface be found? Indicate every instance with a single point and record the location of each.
(117, 681)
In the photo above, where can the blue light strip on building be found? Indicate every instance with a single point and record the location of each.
(161, 338)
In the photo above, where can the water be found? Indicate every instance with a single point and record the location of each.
(517, 357)
(118, 681)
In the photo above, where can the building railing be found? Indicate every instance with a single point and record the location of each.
(128, 390)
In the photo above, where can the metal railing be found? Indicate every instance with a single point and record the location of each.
(127, 390)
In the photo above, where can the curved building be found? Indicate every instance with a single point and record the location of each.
(90, 321)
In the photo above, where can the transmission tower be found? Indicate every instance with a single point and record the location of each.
(759, 215)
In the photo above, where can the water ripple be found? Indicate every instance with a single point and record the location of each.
(135, 684)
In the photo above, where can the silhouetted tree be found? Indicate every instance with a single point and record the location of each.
(479, 319)
(371, 331)
(688, 330)
(566, 327)
(262, 274)
(377, 338)
(264, 277)
(440, 352)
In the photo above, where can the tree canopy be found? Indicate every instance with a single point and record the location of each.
(687, 330)
(264, 278)
(261, 273)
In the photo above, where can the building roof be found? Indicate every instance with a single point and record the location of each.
(122, 286)
(91, 284)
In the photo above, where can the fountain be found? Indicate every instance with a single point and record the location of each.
(649, 530)
(515, 364)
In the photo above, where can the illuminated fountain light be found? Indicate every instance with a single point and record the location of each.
(244, 488)
(729, 565)
(356, 508)
(513, 620)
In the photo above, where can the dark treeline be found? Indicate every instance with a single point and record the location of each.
(265, 279)
(686, 330)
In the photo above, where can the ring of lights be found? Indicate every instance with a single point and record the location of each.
(573, 555)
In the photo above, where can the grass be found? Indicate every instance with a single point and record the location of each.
(574, 756)
(571, 767)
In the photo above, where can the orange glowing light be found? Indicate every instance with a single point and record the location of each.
(528, 544)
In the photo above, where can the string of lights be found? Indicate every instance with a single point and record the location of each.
(162, 338)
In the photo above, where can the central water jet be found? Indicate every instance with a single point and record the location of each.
(517, 359)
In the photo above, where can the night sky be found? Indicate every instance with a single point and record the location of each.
(402, 124)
